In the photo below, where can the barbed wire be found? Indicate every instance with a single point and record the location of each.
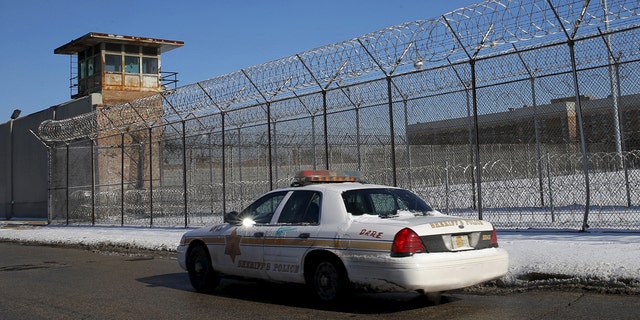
(413, 49)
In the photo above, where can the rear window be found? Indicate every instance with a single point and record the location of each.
(383, 202)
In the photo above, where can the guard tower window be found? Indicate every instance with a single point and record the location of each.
(149, 65)
(131, 64)
(135, 59)
(82, 65)
(83, 69)
(112, 63)
(90, 67)
(89, 62)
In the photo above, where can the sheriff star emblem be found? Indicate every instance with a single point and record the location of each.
(232, 247)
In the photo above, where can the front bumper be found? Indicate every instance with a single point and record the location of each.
(182, 256)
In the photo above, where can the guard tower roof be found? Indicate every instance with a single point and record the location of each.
(92, 38)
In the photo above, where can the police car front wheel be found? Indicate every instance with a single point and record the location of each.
(202, 276)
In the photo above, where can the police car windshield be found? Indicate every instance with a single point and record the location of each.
(384, 202)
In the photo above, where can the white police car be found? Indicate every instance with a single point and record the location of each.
(336, 234)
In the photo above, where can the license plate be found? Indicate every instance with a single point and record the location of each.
(460, 242)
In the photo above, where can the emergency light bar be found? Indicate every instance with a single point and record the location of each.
(324, 176)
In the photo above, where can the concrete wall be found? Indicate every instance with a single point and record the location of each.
(5, 169)
(24, 173)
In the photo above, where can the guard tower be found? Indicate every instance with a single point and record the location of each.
(112, 69)
(121, 68)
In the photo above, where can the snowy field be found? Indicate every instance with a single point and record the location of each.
(600, 261)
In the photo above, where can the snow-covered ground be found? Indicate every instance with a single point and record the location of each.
(601, 261)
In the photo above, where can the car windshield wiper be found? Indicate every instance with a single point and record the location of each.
(398, 213)
(388, 214)
(422, 212)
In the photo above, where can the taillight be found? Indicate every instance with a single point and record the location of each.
(406, 243)
(494, 238)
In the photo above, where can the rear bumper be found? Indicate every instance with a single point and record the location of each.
(428, 272)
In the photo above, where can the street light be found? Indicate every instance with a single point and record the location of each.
(15, 114)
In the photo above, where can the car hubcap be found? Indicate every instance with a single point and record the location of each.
(326, 280)
(199, 267)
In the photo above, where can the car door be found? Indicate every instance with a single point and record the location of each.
(242, 253)
(293, 233)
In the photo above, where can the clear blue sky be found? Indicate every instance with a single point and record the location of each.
(220, 36)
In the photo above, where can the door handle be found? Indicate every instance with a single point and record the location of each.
(258, 234)
(304, 235)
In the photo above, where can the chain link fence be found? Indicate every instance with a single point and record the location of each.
(524, 113)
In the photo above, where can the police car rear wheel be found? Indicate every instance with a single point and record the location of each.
(202, 276)
(329, 282)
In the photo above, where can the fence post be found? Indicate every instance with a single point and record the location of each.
(576, 89)
(583, 144)
(150, 177)
(313, 141)
(446, 185)
(67, 181)
(474, 97)
(276, 163)
(210, 149)
(184, 173)
(224, 162)
(392, 133)
(326, 129)
(408, 148)
(467, 85)
(358, 139)
(11, 169)
(532, 80)
(553, 217)
(614, 81)
(390, 104)
(241, 189)
(478, 165)
(93, 182)
(122, 179)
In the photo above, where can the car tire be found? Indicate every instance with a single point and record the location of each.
(329, 282)
(202, 276)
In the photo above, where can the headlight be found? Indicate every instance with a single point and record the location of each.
(248, 222)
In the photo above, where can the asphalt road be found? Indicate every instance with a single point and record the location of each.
(39, 282)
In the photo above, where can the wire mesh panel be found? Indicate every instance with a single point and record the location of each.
(525, 113)
(248, 170)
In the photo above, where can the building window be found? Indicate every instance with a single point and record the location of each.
(112, 63)
(131, 64)
(149, 65)
(90, 67)
(83, 69)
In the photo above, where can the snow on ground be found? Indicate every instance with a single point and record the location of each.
(606, 261)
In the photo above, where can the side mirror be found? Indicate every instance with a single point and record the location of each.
(232, 217)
